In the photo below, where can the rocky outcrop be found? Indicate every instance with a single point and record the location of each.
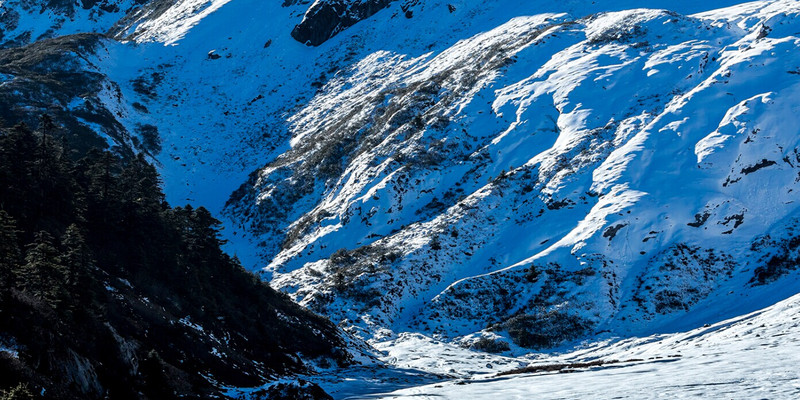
(326, 18)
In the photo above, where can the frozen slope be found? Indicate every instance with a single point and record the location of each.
(554, 174)
(222, 116)
(749, 357)
(26, 21)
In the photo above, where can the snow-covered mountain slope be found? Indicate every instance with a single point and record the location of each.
(748, 357)
(226, 112)
(552, 176)
(483, 170)
(25, 21)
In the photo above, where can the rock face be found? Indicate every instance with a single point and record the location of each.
(325, 18)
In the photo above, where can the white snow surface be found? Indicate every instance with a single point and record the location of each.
(25, 21)
(748, 357)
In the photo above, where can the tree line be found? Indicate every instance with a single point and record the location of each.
(94, 262)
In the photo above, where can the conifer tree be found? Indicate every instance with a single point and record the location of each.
(152, 370)
(204, 230)
(10, 255)
(141, 195)
(141, 180)
(102, 194)
(77, 260)
(47, 126)
(17, 149)
(43, 275)
(100, 167)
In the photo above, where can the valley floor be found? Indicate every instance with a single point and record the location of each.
(750, 357)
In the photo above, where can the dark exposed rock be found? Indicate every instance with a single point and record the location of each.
(611, 231)
(408, 8)
(761, 164)
(763, 32)
(327, 18)
(559, 204)
(490, 345)
(533, 369)
(784, 257)
(699, 220)
(737, 219)
(680, 276)
(147, 83)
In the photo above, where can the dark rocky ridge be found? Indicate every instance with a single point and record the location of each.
(327, 18)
